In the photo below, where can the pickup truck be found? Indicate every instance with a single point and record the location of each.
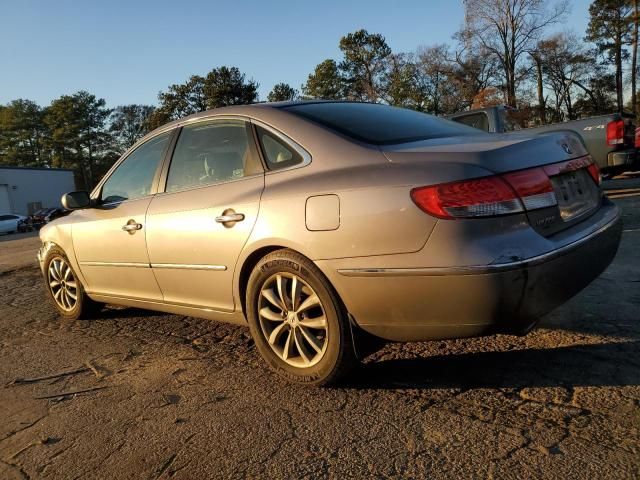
(609, 138)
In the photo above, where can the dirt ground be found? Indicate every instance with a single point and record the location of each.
(136, 394)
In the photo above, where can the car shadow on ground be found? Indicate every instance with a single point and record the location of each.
(608, 364)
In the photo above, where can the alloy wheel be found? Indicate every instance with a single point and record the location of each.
(293, 320)
(63, 284)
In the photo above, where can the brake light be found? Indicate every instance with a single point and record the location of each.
(512, 192)
(615, 132)
(534, 188)
(482, 197)
(594, 171)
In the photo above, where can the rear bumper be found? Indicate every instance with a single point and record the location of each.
(621, 159)
(413, 304)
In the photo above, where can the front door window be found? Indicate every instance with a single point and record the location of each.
(134, 176)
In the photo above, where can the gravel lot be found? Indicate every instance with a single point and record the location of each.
(136, 394)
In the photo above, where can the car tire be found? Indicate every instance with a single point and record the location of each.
(298, 323)
(63, 285)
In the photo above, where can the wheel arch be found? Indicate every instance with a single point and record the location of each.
(251, 259)
(60, 235)
(362, 342)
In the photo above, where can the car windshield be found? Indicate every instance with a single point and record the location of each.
(378, 124)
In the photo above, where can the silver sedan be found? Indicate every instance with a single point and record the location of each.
(326, 226)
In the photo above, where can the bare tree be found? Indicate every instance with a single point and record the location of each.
(508, 29)
(634, 59)
(536, 56)
(434, 72)
(474, 70)
(567, 68)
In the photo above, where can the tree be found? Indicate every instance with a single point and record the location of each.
(221, 87)
(634, 58)
(22, 134)
(78, 137)
(609, 29)
(599, 95)
(325, 82)
(364, 65)
(473, 72)
(282, 92)
(129, 123)
(566, 66)
(488, 97)
(402, 88)
(435, 78)
(536, 56)
(508, 29)
(183, 99)
(226, 86)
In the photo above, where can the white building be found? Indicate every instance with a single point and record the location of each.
(24, 190)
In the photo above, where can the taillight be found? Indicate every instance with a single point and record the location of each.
(594, 171)
(534, 188)
(482, 197)
(615, 132)
(512, 192)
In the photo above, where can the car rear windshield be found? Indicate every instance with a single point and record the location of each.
(378, 124)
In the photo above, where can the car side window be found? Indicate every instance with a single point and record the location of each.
(208, 153)
(134, 176)
(476, 120)
(276, 152)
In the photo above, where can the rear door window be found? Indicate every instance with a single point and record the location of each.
(209, 153)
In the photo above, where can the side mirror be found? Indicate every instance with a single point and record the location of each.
(76, 200)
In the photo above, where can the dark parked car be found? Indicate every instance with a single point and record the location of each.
(25, 225)
(44, 216)
(56, 213)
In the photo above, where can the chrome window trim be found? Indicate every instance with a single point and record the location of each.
(208, 185)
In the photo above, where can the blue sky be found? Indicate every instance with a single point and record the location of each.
(126, 51)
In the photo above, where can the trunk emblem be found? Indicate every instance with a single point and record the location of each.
(567, 148)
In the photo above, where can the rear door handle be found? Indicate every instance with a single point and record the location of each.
(230, 218)
(132, 227)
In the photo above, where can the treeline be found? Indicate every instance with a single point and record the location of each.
(76, 131)
(503, 54)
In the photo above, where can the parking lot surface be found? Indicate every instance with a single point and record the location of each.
(136, 394)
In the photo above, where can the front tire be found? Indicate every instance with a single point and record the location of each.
(297, 321)
(64, 288)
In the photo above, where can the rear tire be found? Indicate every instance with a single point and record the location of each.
(297, 321)
(65, 290)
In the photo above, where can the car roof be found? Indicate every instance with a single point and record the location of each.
(248, 109)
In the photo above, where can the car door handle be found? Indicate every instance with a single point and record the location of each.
(230, 218)
(132, 226)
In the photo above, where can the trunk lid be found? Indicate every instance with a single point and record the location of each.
(498, 153)
(561, 155)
